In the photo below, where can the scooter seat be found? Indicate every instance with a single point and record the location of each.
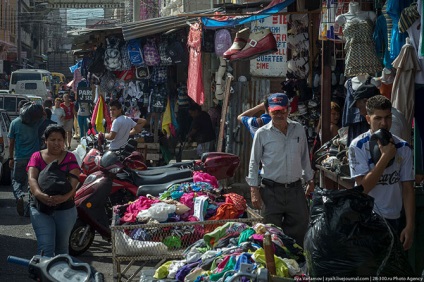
(157, 171)
(156, 189)
(173, 165)
(168, 176)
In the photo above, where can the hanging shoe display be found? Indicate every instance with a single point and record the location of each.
(259, 43)
(239, 42)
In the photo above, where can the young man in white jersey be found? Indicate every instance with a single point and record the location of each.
(122, 127)
(389, 182)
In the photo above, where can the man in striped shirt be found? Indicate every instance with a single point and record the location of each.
(282, 147)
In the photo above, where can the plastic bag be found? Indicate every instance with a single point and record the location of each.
(31, 113)
(347, 239)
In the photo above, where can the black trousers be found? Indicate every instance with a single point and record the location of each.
(286, 208)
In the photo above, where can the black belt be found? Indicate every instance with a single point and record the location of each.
(271, 183)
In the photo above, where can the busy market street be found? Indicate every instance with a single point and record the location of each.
(211, 141)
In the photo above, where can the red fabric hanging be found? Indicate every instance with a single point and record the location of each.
(195, 88)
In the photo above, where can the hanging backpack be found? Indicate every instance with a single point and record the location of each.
(159, 74)
(222, 41)
(142, 72)
(113, 54)
(97, 65)
(165, 59)
(125, 58)
(150, 53)
(158, 99)
(134, 52)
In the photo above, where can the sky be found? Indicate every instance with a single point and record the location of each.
(77, 17)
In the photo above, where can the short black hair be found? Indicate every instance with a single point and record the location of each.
(54, 128)
(116, 104)
(48, 113)
(48, 103)
(378, 102)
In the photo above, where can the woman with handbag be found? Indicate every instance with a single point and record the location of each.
(53, 178)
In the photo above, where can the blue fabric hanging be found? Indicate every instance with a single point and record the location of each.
(274, 7)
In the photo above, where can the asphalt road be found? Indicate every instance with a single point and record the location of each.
(17, 238)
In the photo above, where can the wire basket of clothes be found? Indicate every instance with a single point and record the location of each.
(161, 228)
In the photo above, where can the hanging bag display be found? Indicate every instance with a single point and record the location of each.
(97, 64)
(113, 54)
(150, 52)
(222, 41)
(165, 59)
(134, 52)
(126, 63)
(159, 74)
(142, 73)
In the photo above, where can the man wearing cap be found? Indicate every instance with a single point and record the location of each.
(389, 182)
(360, 98)
(282, 147)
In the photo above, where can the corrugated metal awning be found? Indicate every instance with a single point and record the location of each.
(158, 25)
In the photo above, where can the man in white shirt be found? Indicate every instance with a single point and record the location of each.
(122, 126)
(58, 114)
(389, 182)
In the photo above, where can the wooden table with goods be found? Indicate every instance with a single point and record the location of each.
(331, 180)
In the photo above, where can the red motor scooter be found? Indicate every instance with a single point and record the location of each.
(130, 157)
(115, 184)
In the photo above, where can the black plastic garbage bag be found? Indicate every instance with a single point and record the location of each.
(31, 113)
(346, 238)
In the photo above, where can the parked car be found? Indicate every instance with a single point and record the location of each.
(5, 173)
(38, 100)
(9, 102)
(3, 91)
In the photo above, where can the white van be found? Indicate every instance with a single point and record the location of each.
(10, 102)
(31, 82)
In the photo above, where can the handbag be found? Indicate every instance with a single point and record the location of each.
(53, 181)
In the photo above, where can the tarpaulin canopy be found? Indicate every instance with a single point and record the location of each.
(221, 20)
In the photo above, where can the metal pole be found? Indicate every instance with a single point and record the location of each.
(19, 33)
(136, 10)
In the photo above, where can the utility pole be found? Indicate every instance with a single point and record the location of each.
(19, 34)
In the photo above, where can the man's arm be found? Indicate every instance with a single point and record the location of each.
(370, 180)
(111, 135)
(138, 127)
(408, 196)
(251, 112)
(252, 179)
(11, 152)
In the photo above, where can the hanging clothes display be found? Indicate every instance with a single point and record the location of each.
(195, 88)
(403, 91)
(360, 51)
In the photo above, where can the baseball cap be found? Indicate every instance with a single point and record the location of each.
(364, 91)
(277, 101)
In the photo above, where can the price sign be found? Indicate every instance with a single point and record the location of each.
(85, 95)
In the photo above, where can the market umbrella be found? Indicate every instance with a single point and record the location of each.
(403, 91)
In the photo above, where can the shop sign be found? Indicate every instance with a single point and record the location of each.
(85, 95)
(274, 64)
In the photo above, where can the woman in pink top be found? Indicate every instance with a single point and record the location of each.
(52, 229)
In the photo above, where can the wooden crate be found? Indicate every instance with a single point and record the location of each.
(150, 151)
